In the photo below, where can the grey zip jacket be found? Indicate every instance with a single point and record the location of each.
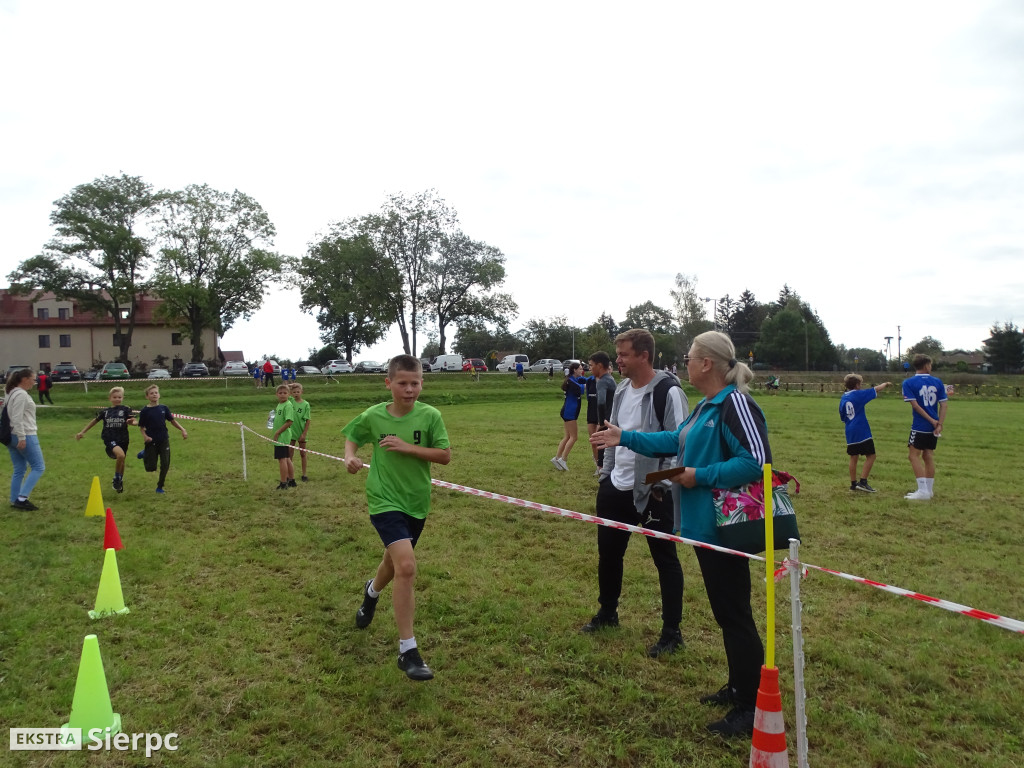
(644, 464)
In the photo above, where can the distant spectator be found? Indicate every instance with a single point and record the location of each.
(44, 385)
(520, 370)
(268, 374)
(26, 455)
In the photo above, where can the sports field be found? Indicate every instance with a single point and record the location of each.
(241, 635)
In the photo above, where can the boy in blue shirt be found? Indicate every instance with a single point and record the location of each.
(858, 432)
(927, 397)
(152, 421)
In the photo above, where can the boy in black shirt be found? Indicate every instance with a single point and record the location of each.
(116, 420)
(153, 421)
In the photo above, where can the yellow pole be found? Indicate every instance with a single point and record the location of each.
(769, 563)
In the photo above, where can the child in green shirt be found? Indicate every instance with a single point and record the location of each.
(284, 417)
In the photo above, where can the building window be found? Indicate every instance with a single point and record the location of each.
(64, 313)
(44, 341)
(42, 313)
(65, 339)
(175, 339)
(117, 340)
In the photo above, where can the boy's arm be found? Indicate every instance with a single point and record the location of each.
(433, 455)
(942, 417)
(87, 428)
(880, 387)
(184, 434)
(145, 438)
(927, 417)
(352, 462)
(284, 428)
(305, 429)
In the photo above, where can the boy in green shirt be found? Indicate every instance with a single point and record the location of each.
(284, 417)
(300, 427)
(407, 437)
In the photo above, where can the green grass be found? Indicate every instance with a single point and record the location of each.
(241, 635)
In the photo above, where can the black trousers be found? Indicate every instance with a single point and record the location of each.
(612, 543)
(157, 450)
(727, 580)
(45, 393)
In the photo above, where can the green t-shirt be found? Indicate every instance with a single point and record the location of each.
(301, 417)
(284, 413)
(398, 481)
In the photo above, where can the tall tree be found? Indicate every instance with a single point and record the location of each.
(746, 320)
(795, 337)
(458, 281)
(1004, 350)
(691, 313)
(349, 286)
(214, 265)
(650, 316)
(926, 346)
(99, 225)
(607, 322)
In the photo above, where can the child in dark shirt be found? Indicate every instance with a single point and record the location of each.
(153, 420)
(116, 419)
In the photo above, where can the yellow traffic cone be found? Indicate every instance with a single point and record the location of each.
(109, 599)
(95, 506)
(91, 709)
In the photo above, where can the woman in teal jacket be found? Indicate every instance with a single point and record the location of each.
(723, 444)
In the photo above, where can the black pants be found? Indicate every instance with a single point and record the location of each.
(727, 580)
(612, 543)
(45, 393)
(161, 450)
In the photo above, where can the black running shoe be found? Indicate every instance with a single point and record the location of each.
(365, 613)
(739, 722)
(292, 483)
(24, 504)
(669, 642)
(863, 486)
(722, 697)
(413, 665)
(119, 484)
(600, 621)
(282, 487)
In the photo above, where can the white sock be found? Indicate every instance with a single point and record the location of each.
(370, 591)
(930, 484)
(406, 645)
(922, 484)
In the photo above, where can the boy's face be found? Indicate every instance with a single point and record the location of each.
(116, 398)
(296, 391)
(405, 386)
(153, 395)
(282, 395)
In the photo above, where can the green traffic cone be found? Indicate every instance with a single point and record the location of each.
(109, 599)
(91, 709)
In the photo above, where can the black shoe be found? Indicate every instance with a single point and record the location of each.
(282, 486)
(26, 505)
(413, 665)
(119, 485)
(723, 697)
(141, 454)
(600, 621)
(305, 479)
(292, 483)
(853, 486)
(669, 642)
(739, 722)
(365, 613)
(863, 486)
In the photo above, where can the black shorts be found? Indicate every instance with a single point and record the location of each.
(923, 441)
(863, 448)
(396, 526)
(282, 451)
(110, 445)
(592, 414)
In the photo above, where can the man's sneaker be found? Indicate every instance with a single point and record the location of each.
(738, 722)
(562, 464)
(413, 665)
(600, 621)
(722, 697)
(160, 490)
(863, 486)
(24, 504)
(365, 613)
(557, 462)
(669, 642)
(918, 496)
(282, 486)
(141, 454)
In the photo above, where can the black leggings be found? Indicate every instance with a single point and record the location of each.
(153, 450)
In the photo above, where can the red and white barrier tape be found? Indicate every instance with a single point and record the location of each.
(1014, 625)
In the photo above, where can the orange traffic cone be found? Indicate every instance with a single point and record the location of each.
(768, 747)
(111, 538)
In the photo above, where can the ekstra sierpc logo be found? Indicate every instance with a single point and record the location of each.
(71, 739)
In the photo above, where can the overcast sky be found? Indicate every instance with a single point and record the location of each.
(870, 155)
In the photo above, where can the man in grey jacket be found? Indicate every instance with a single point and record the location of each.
(623, 496)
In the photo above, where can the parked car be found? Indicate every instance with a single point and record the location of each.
(446, 363)
(369, 366)
(12, 368)
(338, 366)
(234, 368)
(65, 372)
(572, 361)
(474, 364)
(195, 369)
(91, 375)
(115, 371)
(508, 363)
(159, 373)
(308, 369)
(543, 366)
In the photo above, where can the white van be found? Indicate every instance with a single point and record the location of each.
(508, 363)
(446, 363)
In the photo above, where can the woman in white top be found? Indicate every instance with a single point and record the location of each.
(26, 455)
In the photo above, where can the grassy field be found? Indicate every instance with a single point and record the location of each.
(241, 635)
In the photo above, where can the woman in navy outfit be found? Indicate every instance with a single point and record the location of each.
(574, 386)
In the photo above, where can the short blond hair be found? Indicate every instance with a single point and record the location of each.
(115, 389)
(282, 386)
(151, 386)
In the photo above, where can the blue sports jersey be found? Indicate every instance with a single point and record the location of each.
(851, 411)
(928, 391)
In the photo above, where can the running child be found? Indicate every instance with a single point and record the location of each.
(858, 432)
(407, 437)
(300, 428)
(153, 420)
(284, 417)
(116, 419)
